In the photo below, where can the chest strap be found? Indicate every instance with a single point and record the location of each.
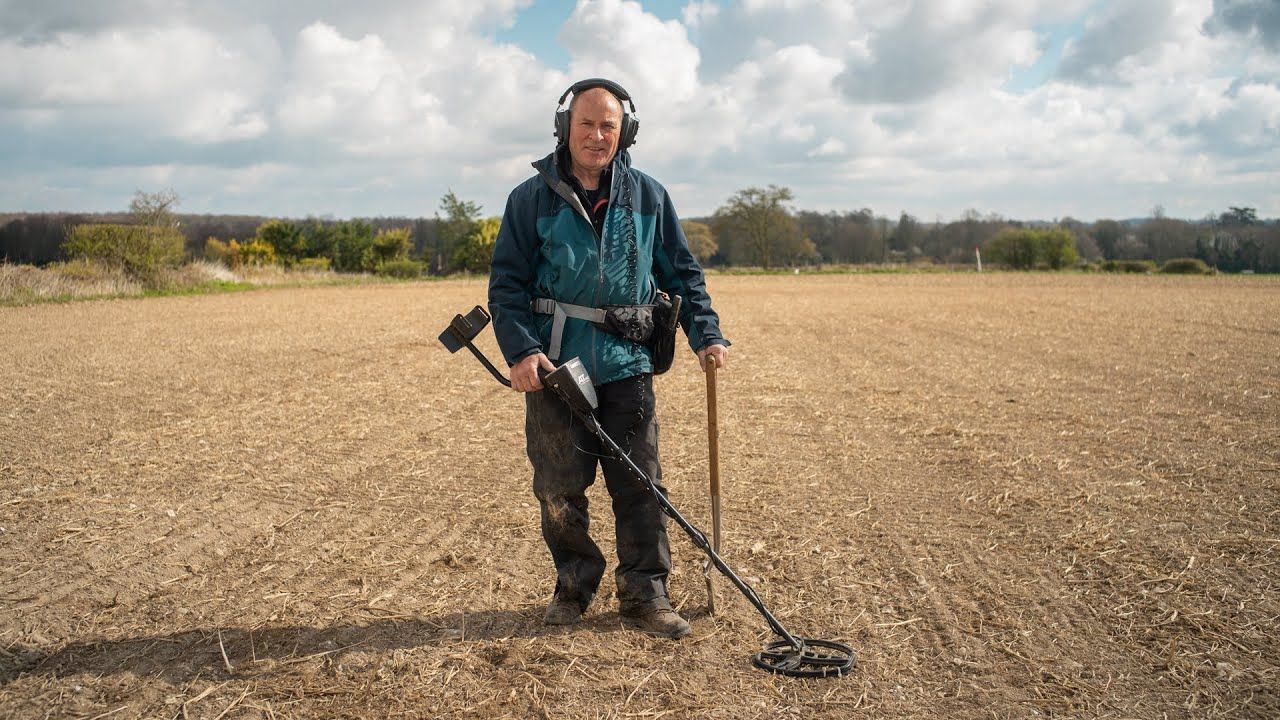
(558, 312)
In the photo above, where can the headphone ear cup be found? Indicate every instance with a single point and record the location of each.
(562, 127)
(630, 127)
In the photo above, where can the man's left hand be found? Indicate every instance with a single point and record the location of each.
(716, 353)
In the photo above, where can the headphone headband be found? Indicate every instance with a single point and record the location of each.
(591, 83)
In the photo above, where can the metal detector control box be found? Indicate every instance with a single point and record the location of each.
(573, 384)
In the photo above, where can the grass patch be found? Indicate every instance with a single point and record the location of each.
(60, 282)
(90, 280)
(404, 269)
(211, 287)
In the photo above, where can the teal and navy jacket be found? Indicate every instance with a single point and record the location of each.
(547, 248)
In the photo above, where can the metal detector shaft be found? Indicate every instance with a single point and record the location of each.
(492, 370)
(699, 538)
(462, 330)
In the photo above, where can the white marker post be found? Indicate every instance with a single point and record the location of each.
(978, 252)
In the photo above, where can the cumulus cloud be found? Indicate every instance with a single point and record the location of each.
(359, 93)
(697, 12)
(1241, 122)
(379, 107)
(36, 22)
(746, 31)
(937, 46)
(1248, 17)
(618, 39)
(1124, 31)
(179, 81)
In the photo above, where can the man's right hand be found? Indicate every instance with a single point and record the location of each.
(524, 374)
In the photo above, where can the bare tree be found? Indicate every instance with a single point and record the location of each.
(155, 209)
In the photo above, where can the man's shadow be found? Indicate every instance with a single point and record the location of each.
(226, 652)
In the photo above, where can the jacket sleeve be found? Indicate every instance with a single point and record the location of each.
(511, 276)
(677, 271)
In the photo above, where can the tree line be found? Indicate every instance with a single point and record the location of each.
(756, 227)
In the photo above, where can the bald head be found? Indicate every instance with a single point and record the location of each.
(595, 125)
(596, 95)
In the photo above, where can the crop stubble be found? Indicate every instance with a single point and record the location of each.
(1013, 494)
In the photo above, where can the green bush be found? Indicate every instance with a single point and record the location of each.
(353, 247)
(1058, 247)
(392, 244)
(403, 268)
(139, 250)
(257, 253)
(475, 251)
(287, 241)
(217, 251)
(1128, 266)
(1031, 248)
(320, 239)
(1186, 266)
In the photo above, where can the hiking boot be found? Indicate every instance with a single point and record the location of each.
(659, 621)
(562, 612)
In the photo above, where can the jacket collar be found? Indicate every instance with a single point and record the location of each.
(549, 168)
(553, 165)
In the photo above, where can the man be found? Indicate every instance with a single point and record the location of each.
(588, 232)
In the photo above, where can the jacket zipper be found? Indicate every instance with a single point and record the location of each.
(561, 188)
(604, 232)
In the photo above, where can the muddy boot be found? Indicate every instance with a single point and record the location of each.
(562, 612)
(659, 621)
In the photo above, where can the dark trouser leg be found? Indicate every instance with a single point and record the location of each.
(561, 475)
(627, 413)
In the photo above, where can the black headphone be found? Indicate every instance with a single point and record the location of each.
(630, 125)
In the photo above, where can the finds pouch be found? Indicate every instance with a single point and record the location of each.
(662, 342)
(630, 322)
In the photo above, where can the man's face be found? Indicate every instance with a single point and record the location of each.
(593, 129)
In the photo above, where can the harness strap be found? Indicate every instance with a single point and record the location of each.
(558, 312)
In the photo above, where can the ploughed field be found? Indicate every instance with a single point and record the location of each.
(1014, 495)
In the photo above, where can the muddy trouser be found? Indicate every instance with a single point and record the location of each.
(564, 456)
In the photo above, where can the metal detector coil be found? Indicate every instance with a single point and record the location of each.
(791, 655)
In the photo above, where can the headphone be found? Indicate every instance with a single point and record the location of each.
(630, 125)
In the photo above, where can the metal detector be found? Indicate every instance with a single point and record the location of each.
(791, 655)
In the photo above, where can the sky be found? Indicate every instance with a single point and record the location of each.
(1030, 109)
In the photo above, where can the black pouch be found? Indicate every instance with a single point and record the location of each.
(630, 322)
(662, 342)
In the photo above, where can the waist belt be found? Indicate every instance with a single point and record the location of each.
(633, 323)
(558, 312)
(651, 325)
